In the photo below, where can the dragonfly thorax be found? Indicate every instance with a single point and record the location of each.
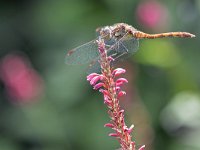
(117, 32)
(122, 30)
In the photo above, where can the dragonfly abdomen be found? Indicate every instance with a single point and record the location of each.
(141, 35)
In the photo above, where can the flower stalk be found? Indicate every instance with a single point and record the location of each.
(109, 85)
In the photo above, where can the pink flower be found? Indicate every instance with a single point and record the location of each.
(110, 125)
(22, 82)
(121, 93)
(142, 147)
(121, 81)
(110, 86)
(92, 75)
(151, 13)
(118, 72)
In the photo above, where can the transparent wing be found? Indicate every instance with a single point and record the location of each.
(83, 54)
(125, 48)
(94, 67)
(120, 50)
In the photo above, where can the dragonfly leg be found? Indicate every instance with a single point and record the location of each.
(118, 56)
(124, 47)
(120, 42)
(111, 47)
(113, 55)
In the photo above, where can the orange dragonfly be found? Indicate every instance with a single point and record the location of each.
(121, 40)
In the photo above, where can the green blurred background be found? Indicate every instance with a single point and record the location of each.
(48, 105)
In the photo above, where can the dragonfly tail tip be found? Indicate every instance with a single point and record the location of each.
(192, 35)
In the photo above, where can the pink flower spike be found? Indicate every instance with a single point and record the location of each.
(110, 125)
(118, 71)
(98, 85)
(120, 81)
(142, 147)
(109, 85)
(121, 93)
(92, 75)
(113, 134)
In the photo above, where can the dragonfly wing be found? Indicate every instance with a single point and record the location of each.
(118, 51)
(83, 54)
(129, 46)
(94, 67)
(125, 48)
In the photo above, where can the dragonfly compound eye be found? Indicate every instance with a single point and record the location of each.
(105, 32)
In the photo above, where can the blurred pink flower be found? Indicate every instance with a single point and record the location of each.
(22, 82)
(151, 13)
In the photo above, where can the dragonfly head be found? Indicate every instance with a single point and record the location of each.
(105, 32)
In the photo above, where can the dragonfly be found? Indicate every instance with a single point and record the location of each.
(121, 40)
